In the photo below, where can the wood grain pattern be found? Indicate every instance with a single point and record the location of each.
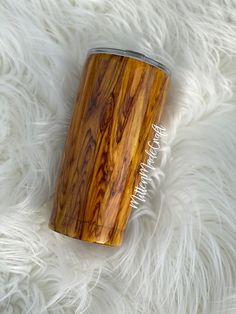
(118, 101)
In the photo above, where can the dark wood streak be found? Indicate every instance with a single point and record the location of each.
(119, 99)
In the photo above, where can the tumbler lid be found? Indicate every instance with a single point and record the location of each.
(130, 54)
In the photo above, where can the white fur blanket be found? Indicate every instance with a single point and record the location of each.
(178, 254)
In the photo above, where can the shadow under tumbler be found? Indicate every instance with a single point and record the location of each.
(121, 95)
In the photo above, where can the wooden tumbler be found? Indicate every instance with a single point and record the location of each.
(121, 96)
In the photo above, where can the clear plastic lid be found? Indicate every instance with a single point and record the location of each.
(130, 54)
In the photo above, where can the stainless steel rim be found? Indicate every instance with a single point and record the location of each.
(130, 54)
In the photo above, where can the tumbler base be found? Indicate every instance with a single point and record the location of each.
(93, 233)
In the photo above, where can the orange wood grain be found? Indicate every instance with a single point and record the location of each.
(118, 101)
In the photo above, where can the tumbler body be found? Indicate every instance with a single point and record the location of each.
(121, 95)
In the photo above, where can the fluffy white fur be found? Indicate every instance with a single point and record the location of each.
(179, 252)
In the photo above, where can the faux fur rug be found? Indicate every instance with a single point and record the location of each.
(179, 251)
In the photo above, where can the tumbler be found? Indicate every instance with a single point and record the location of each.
(121, 95)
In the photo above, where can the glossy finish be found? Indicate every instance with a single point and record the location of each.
(119, 99)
